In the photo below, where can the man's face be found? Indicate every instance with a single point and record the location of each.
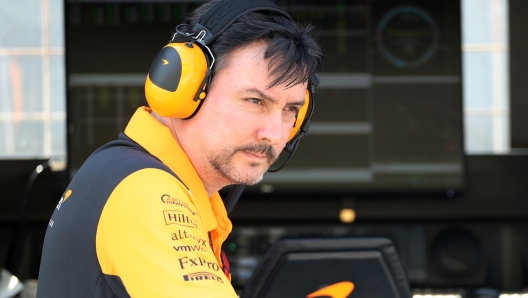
(242, 125)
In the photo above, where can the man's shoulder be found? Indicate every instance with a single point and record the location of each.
(124, 156)
(116, 160)
(122, 150)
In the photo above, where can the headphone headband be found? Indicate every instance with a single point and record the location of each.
(226, 12)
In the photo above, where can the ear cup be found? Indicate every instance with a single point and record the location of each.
(174, 79)
(301, 116)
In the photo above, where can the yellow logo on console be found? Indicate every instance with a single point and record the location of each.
(337, 290)
(165, 62)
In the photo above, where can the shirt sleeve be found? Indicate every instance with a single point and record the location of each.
(151, 237)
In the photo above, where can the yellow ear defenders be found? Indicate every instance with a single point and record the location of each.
(300, 116)
(302, 123)
(178, 80)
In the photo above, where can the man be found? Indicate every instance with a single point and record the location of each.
(142, 217)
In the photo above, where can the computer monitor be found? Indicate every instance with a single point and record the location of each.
(359, 267)
(388, 113)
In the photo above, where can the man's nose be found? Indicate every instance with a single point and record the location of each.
(272, 128)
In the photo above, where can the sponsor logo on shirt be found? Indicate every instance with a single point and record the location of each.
(189, 248)
(187, 262)
(178, 217)
(167, 199)
(183, 234)
(64, 197)
(199, 276)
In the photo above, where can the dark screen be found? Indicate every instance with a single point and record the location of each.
(388, 112)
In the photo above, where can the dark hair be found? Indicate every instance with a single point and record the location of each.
(294, 55)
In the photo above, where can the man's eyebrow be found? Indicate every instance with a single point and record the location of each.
(299, 103)
(262, 95)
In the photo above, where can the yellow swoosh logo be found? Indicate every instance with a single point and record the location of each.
(337, 290)
(67, 194)
(165, 62)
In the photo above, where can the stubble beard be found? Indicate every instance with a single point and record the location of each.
(224, 166)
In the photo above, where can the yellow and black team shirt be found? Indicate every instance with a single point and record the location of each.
(136, 221)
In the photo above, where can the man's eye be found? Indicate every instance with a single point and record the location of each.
(293, 109)
(254, 100)
(291, 113)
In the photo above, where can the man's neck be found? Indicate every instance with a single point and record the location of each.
(205, 175)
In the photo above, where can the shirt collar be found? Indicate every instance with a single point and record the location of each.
(157, 139)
